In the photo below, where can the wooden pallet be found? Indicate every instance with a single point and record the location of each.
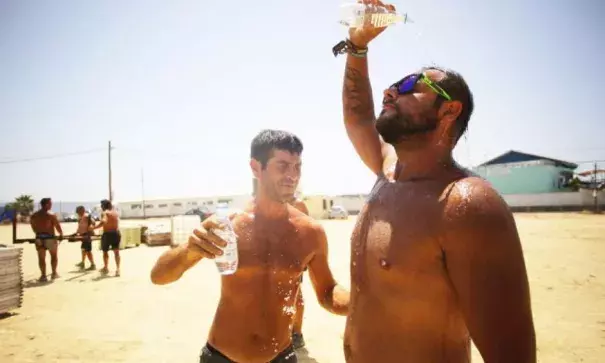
(11, 278)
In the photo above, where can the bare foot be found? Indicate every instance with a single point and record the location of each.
(54, 276)
(43, 278)
(117, 273)
(104, 271)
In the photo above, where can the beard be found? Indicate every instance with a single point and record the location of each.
(394, 126)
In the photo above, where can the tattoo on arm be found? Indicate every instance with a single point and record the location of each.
(358, 104)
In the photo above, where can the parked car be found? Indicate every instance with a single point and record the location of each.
(70, 218)
(338, 212)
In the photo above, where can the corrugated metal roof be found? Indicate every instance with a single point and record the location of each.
(514, 156)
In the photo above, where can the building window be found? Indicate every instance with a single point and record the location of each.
(177, 204)
(135, 206)
(148, 206)
(162, 205)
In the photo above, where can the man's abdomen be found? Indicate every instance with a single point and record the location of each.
(411, 332)
(251, 326)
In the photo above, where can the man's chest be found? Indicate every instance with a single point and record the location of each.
(279, 249)
(397, 234)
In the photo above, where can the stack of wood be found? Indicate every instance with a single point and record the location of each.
(157, 237)
(11, 278)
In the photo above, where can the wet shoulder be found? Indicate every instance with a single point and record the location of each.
(471, 195)
(308, 228)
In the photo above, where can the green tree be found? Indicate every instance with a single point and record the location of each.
(23, 204)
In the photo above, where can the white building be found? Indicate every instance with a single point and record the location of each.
(352, 203)
(180, 206)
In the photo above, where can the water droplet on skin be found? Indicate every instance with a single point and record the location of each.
(385, 264)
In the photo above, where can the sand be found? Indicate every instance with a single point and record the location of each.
(83, 317)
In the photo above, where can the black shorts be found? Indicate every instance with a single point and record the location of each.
(211, 355)
(111, 240)
(86, 242)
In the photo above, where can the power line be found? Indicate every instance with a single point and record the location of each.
(56, 156)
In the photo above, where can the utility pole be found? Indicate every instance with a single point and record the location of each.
(143, 192)
(594, 191)
(109, 165)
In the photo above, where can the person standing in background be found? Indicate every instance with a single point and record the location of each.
(44, 223)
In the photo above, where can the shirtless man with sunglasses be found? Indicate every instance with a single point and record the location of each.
(435, 256)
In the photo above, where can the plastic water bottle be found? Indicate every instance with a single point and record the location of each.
(356, 15)
(227, 263)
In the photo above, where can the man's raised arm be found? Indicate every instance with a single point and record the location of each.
(357, 101)
(358, 111)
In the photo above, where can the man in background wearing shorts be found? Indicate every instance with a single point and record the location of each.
(43, 223)
(85, 230)
(111, 235)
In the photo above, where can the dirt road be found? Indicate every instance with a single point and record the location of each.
(83, 317)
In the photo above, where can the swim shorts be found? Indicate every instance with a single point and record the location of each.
(212, 355)
(110, 240)
(86, 242)
(46, 241)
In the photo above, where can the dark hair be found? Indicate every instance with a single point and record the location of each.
(80, 207)
(454, 84)
(44, 201)
(266, 141)
(105, 204)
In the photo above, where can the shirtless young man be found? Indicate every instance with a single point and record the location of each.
(85, 230)
(254, 318)
(435, 256)
(298, 341)
(44, 223)
(111, 237)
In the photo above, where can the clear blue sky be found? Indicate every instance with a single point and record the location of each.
(181, 87)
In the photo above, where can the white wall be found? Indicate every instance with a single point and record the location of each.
(583, 198)
(172, 207)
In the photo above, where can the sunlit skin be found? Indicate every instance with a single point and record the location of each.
(435, 255)
(84, 228)
(110, 223)
(255, 314)
(300, 303)
(44, 222)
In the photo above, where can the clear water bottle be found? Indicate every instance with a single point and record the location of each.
(227, 263)
(357, 15)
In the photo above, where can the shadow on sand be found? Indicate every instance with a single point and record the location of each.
(7, 315)
(36, 283)
(103, 277)
(78, 274)
(302, 354)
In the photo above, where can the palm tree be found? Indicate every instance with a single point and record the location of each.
(23, 204)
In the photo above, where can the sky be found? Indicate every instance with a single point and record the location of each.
(181, 88)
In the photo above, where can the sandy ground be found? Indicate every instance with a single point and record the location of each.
(85, 318)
